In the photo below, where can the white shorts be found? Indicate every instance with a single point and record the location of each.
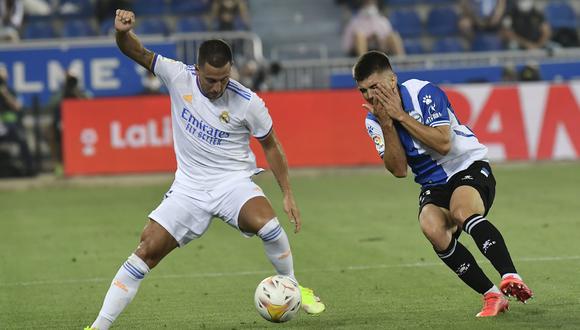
(186, 215)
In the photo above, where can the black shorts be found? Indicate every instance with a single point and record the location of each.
(478, 175)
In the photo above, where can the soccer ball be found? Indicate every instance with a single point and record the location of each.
(278, 298)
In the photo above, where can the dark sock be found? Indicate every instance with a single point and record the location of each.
(490, 243)
(461, 261)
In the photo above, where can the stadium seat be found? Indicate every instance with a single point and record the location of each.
(151, 7)
(448, 45)
(442, 21)
(77, 28)
(39, 30)
(406, 22)
(197, 7)
(190, 24)
(560, 15)
(151, 26)
(486, 42)
(413, 46)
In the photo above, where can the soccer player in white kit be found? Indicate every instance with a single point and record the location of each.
(213, 117)
(413, 123)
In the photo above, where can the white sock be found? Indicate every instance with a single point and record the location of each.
(122, 291)
(511, 274)
(493, 289)
(277, 247)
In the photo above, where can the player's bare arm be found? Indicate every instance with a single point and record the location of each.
(437, 138)
(279, 166)
(128, 42)
(394, 158)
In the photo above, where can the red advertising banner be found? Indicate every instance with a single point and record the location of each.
(323, 128)
(117, 135)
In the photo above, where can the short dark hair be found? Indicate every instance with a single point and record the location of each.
(216, 52)
(369, 63)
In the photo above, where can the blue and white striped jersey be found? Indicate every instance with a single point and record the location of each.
(429, 105)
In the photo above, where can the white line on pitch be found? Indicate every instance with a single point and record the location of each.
(257, 272)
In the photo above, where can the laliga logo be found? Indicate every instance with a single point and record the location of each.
(89, 138)
(141, 135)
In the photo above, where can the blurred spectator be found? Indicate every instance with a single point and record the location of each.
(348, 8)
(566, 37)
(37, 7)
(151, 84)
(70, 90)
(481, 16)
(259, 76)
(226, 12)
(11, 128)
(509, 73)
(369, 29)
(530, 72)
(11, 14)
(525, 27)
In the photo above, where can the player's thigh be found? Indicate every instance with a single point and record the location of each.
(244, 206)
(473, 191)
(436, 225)
(255, 213)
(465, 202)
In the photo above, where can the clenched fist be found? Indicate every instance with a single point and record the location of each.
(124, 20)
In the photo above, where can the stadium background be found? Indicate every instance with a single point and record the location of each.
(532, 128)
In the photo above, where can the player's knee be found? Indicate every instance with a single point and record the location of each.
(270, 231)
(430, 227)
(150, 253)
(460, 214)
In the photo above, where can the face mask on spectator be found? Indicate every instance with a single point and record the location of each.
(370, 10)
(525, 5)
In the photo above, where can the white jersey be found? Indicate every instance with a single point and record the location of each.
(429, 105)
(211, 137)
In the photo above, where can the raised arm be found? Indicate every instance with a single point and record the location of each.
(279, 166)
(128, 42)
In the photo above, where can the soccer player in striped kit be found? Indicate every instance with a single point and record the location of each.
(213, 117)
(413, 124)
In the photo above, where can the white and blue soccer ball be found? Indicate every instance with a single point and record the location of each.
(278, 298)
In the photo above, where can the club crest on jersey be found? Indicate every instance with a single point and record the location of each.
(378, 141)
(225, 117)
(431, 105)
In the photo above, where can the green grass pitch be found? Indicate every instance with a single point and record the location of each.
(361, 249)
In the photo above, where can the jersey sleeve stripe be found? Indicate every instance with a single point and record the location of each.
(152, 69)
(245, 96)
(440, 123)
(265, 135)
(238, 89)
